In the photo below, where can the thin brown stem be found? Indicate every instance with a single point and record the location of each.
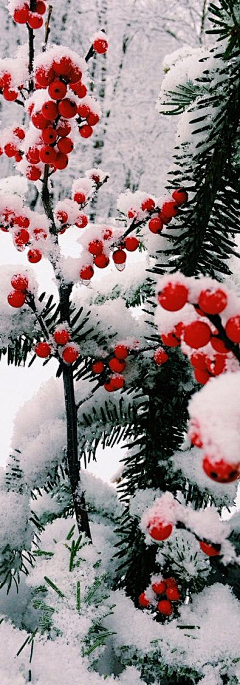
(47, 28)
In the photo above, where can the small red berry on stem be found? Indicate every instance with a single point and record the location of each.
(70, 353)
(98, 367)
(232, 329)
(19, 282)
(155, 224)
(160, 356)
(197, 334)
(61, 336)
(180, 196)
(148, 204)
(121, 351)
(101, 260)
(159, 586)
(86, 131)
(95, 247)
(165, 607)
(173, 296)
(34, 256)
(159, 530)
(173, 594)
(16, 298)
(143, 601)
(131, 243)
(43, 350)
(100, 45)
(86, 273)
(209, 549)
(212, 301)
(221, 471)
(117, 365)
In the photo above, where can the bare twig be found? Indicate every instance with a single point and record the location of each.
(47, 28)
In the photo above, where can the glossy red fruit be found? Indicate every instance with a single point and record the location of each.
(86, 273)
(173, 296)
(155, 224)
(40, 7)
(100, 46)
(121, 351)
(16, 298)
(173, 594)
(47, 154)
(198, 360)
(159, 530)
(33, 155)
(169, 210)
(180, 196)
(210, 550)
(170, 339)
(20, 14)
(86, 131)
(98, 367)
(40, 234)
(93, 119)
(19, 132)
(79, 197)
(44, 76)
(63, 128)
(49, 135)
(65, 145)
(221, 471)
(61, 336)
(9, 94)
(33, 173)
(194, 433)
(148, 204)
(165, 607)
(197, 334)
(117, 365)
(34, 256)
(57, 90)
(118, 382)
(83, 110)
(201, 376)
(232, 329)
(212, 300)
(61, 161)
(101, 260)
(79, 89)
(42, 349)
(19, 282)
(35, 21)
(21, 221)
(160, 356)
(70, 354)
(67, 108)
(119, 257)
(75, 75)
(159, 586)
(217, 364)
(39, 121)
(62, 216)
(82, 221)
(131, 243)
(50, 110)
(63, 66)
(21, 237)
(219, 345)
(95, 247)
(143, 601)
(10, 149)
(171, 582)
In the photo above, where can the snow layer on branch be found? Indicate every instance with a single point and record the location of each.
(15, 512)
(189, 462)
(183, 66)
(100, 496)
(14, 184)
(184, 556)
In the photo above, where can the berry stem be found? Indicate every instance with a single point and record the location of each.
(46, 200)
(31, 303)
(47, 28)
(31, 49)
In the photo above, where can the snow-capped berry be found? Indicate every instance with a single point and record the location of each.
(10, 149)
(86, 273)
(33, 155)
(180, 196)
(194, 433)
(118, 382)
(197, 334)
(93, 119)
(169, 210)
(34, 256)
(209, 549)
(20, 14)
(9, 94)
(159, 530)
(63, 65)
(65, 145)
(43, 76)
(101, 260)
(19, 132)
(42, 349)
(217, 364)
(119, 257)
(148, 204)
(21, 237)
(33, 173)
(232, 329)
(201, 376)
(16, 298)
(165, 607)
(212, 301)
(61, 336)
(35, 21)
(40, 234)
(160, 356)
(173, 594)
(75, 75)
(57, 90)
(62, 216)
(63, 128)
(86, 131)
(70, 353)
(143, 601)
(131, 243)
(159, 586)
(83, 110)
(100, 46)
(221, 471)
(155, 224)
(79, 89)
(218, 345)
(95, 247)
(98, 367)
(79, 197)
(173, 296)
(19, 282)
(81, 221)
(121, 351)
(67, 108)
(117, 365)
(170, 582)
(198, 360)
(170, 339)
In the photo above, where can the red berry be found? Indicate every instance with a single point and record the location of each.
(19, 132)
(61, 161)
(86, 273)
(159, 586)
(143, 601)
(159, 530)
(197, 334)
(117, 365)
(44, 77)
(119, 257)
(19, 282)
(42, 349)
(101, 260)
(9, 94)
(95, 247)
(35, 21)
(20, 14)
(115, 383)
(100, 45)
(98, 367)
(57, 90)
(201, 376)
(109, 386)
(10, 149)
(232, 329)
(171, 582)
(173, 297)
(107, 232)
(173, 594)
(160, 357)
(34, 256)
(170, 339)
(180, 196)
(21, 221)
(83, 110)
(212, 301)
(47, 154)
(33, 173)
(62, 336)
(131, 244)
(40, 234)
(194, 433)
(221, 471)
(21, 237)
(79, 197)
(63, 66)
(50, 110)
(33, 155)
(219, 345)
(198, 360)
(93, 119)
(79, 89)
(82, 221)
(168, 210)
(148, 204)
(155, 224)
(40, 121)
(18, 156)
(40, 7)
(165, 607)
(16, 298)
(86, 131)
(65, 145)
(67, 108)
(63, 128)
(62, 216)
(70, 354)
(75, 75)
(49, 135)
(216, 365)
(210, 550)
(121, 351)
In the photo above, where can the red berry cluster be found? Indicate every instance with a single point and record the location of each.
(116, 364)
(23, 15)
(17, 297)
(166, 591)
(163, 215)
(68, 351)
(221, 471)
(10, 142)
(28, 229)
